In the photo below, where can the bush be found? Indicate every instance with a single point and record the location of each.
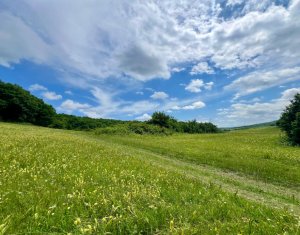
(163, 120)
(138, 128)
(121, 129)
(71, 122)
(196, 127)
(160, 119)
(290, 120)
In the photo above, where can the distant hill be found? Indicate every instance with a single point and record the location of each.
(264, 124)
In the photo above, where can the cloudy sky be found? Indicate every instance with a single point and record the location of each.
(231, 62)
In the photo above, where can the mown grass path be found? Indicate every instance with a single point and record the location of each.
(256, 153)
(262, 192)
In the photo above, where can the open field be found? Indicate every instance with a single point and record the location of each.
(241, 182)
(257, 153)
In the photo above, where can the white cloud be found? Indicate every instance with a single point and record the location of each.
(196, 85)
(45, 93)
(159, 95)
(144, 117)
(201, 67)
(194, 105)
(50, 95)
(37, 87)
(69, 92)
(147, 39)
(208, 85)
(139, 93)
(177, 70)
(19, 41)
(234, 2)
(70, 106)
(261, 80)
(289, 94)
(244, 114)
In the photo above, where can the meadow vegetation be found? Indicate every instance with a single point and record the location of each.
(57, 181)
(257, 153)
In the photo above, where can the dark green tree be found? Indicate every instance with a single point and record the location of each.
(18, 105)
(160, 119)
(290, 120)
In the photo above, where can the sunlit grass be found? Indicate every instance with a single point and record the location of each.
(65, 182)
(254, 152)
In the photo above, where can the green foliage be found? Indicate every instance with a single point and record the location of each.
(295, 133)
(139, 128)
(144, 128)
(163, 120)
(196, 127)
(289, 120)
(160, 119)
(71, 122)
(18, 105)
(120, 129)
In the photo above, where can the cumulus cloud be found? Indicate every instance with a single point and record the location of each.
(159, 95)
(144, 117)
(201, 67)
(45, 93)
(146, 40)
(70, 106)
(142, 40)
(196, 85)
(37, 87)
(258, 112)
(194, 105)
(143, 64)
(50, 95)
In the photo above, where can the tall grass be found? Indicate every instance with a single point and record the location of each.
(258, 153)
(54, 181)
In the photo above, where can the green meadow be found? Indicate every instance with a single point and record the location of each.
(75, 182)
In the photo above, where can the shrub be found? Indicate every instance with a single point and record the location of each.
(290, 120)
(71, 122)
(121, 129)
(160, 119)
(138, 128)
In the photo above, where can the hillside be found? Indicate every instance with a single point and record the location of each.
(57, 181)
(264, 124)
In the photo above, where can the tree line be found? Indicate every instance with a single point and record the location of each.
(19, 105)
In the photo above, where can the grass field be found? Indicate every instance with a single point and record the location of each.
(256, 152)
(55, 181)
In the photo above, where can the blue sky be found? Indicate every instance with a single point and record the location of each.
(231, 62)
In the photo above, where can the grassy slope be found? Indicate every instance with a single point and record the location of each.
(257, 152)
(61, 181)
